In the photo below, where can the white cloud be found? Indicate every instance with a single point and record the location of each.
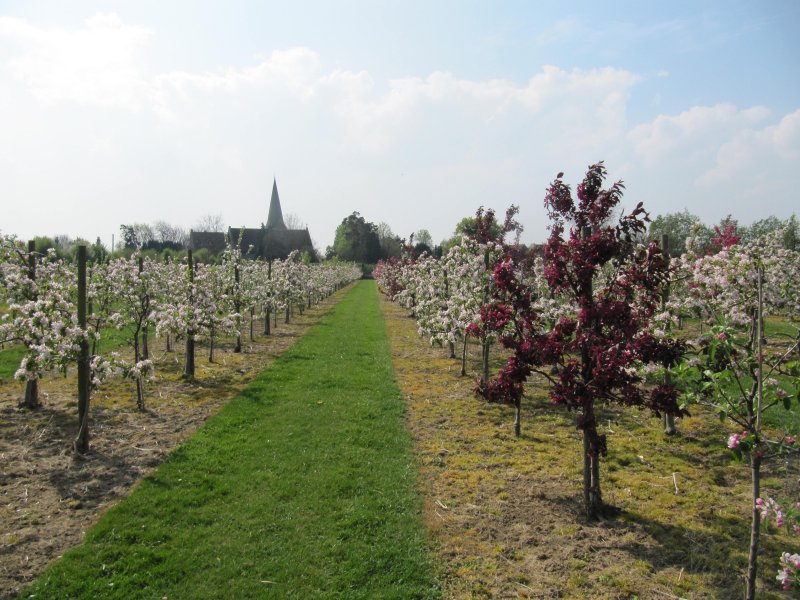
(693, 129)
(767, 151)
(95, 65)
(419, 151)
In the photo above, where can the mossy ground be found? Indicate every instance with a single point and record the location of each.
(507, 512)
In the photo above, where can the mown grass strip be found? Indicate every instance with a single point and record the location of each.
(303, 486)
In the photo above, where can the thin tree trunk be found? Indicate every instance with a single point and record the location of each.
(31, 398)
(517, 418)
(755, 454)
(145, 347)
(755, 526)
(464, 357)
(140, 393)
(211, 349)
(188, 364)
(238, 347)
(485, 360)
(669, 420)
(81, 444)
(266, 321)
(592, 497)
(252, 318)
(169, 344)
(139, 384)
(452, 348)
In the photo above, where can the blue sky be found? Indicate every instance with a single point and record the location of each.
(411, 113)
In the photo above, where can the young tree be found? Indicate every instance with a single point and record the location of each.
(595, 348)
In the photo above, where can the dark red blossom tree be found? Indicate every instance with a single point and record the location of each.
(597, 350)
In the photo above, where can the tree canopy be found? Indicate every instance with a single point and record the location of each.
(357, 240)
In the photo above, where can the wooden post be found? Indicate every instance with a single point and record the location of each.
(82, 440)
(238, 308)
(31, 399)
(188, 364)
(266, 307)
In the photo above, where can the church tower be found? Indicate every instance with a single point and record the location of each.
(275, 217)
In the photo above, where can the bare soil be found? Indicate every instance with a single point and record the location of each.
(49, 496)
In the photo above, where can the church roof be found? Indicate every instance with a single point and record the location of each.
(213, 240)
(275, 217)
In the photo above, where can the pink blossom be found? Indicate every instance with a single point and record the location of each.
(736, 439)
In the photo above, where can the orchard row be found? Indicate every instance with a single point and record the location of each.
(597, 313)
(181, 301)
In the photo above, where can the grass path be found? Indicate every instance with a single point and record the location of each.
(303, 486)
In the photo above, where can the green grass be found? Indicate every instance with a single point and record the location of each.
(9, 361)
(110, 340)
(304, 486)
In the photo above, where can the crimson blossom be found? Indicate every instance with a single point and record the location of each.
(614, 286)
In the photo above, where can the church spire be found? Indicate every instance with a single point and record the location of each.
(275, 217)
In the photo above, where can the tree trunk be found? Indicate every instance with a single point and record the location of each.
(485, 359)
(81, 444)
(464, 357)
(31, 398)
(288, 309)
(592, 497)
(139, 384)
(517, 418)
(669, 420)
(266, 321)
(755, 526)
(252, 318)
(188, 363)
(140, 393)
(169, 343)
(145, 347)
(237, 307)
(211, 349)
(452, 348)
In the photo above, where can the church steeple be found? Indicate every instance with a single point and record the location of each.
(275, 217)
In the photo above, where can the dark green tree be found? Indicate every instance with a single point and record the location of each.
(357, 240)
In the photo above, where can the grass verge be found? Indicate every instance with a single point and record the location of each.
(302, 486)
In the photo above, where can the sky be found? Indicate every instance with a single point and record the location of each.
(412, 113)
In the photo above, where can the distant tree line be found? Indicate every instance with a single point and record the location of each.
(679, 226)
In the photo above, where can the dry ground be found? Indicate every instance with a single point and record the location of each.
(49, 497)
(506, 513)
